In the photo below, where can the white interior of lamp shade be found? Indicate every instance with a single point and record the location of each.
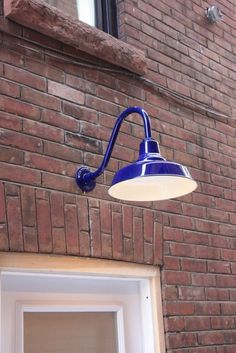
(152, 188)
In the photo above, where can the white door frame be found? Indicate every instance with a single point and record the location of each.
(149, 277)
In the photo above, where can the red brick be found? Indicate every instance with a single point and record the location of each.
(218, 294)
(148, 224)
(228, 308)
(217, 215)
(228, 255)
(106, 240)
(95, 233)
(128, 249)
(11, 57)
(183, 308)
(176, 277)
(8, 88)
(173, 234)
(4, 239)
(83, 142)
(25, 77)
(179, 221)
(43, 130)
(19, 174)
(225, 281)
(138, 240)
(84, 244)
(171, 263)
(30, 239)
(200, 279)
(192, 265)
(57, 210)
(81, 113)
(196, 238)
(218, 267)
(14, 224)
(42, 69)
(59, 183)
(182, 250)
(2, 204)
(83, 213)
(194, 210)
(175, 324)
(41, 162)
(28, 207)
(60, 120)
(20, 108)
(127, 220)
(117, 242)
(65, 92)
(211, 338)
(71, 229)
(21, 141)
(148, 253)
(59, 240)
(196, 323)
(62, 152)
(191, 293)
(10, 121)
(44, 225)
(207, 308)
(105, 211)
(222, 322)
(170, 293)
(12, 190)
(182, 340)
(40, 99)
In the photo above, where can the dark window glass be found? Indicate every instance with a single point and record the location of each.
(97, 13)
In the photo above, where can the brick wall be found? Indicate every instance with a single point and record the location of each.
(56, 115)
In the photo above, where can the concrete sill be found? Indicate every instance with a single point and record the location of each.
(46, 19)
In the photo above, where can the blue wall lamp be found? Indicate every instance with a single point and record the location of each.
(150, 178)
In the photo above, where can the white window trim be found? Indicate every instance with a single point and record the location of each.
(64, 266)
(50, 307)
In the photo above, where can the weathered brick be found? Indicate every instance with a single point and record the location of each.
(43, 130)
(14, 224)
(30, 239)
(57, 210)
(71, 229)
(28, 207)
(2, 204)
(4, 239)
(65, 92)
(96, 249)
(59, 240)
(40, 99)
(44, 225)
(24, 77)
(19, 108)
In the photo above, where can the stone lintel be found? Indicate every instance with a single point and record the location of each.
(46, 19)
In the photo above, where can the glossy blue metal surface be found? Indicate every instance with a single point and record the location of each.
(151, 167)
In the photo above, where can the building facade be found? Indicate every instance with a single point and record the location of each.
(58, 105)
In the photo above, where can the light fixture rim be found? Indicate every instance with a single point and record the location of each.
(189, 179)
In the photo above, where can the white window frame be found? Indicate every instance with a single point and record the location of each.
(148, 277)
(22, 308)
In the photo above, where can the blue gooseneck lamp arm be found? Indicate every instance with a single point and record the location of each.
(86, 179)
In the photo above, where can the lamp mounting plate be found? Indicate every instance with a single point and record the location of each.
(83, 181)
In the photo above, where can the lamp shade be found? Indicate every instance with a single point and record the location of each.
(151, 177)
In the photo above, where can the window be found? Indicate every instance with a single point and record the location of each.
(107, 307)
(97, 13)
